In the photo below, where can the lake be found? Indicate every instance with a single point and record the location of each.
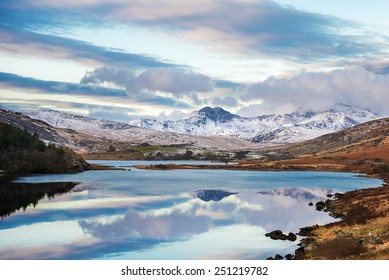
(154, 214)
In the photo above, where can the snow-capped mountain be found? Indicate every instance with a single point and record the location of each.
(112, 131)
(213, 127)
(300, 193)
(76, 122)
(269, 129)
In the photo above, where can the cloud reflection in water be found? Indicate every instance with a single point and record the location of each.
(142, 215)
(182, 224)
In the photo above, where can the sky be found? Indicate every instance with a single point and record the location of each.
(129, 59)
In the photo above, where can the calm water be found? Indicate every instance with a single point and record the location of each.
(150, 214)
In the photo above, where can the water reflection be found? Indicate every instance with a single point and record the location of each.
(14, 197)
(179, 225)
(234, 224)
(156, 215)
(212, 195)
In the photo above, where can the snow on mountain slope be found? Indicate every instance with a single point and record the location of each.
(300, 193)
(266, 129)
(214, 127)
(80, 123)
(124, 132)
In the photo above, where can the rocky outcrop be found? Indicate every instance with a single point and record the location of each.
(279, 235)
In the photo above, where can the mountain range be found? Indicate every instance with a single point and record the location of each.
(210, 128)
(89, 135)
(264, 129)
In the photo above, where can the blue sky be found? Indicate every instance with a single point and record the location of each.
(124, 59)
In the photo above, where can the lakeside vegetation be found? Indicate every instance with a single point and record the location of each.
(146, 151)
(22, 152)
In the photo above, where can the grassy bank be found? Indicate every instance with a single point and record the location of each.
(362, 232)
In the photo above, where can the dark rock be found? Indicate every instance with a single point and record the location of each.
(336, 215)
(278, 257)
(270, 259)
(275, 234)
(289, 257)
(299, 253)
(341, 233)
(300, 250)
(330, 195)
(292, 237)
(310, 204)
(321, 205)
(306, 230)
(279, 235)
(338, 195)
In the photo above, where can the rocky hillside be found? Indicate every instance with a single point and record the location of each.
(369, 140)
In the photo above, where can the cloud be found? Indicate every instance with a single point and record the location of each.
(165, 227)
(175, 81)
(261, 26)
(318, 91)
(100, 93)
(22, 42)
(151, 99)
(165, 80)
(16, 81)
(174, 115)
(378, 67)
(225, 101)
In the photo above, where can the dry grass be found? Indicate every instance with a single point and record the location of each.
(339, 248)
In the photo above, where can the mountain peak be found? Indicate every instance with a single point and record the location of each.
(266, 129)
(216, 114)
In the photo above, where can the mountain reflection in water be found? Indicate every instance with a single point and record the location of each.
(232, 226)
(159, 214)
(212, 195)
(185, 223)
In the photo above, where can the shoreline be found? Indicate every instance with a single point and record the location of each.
(363, 230)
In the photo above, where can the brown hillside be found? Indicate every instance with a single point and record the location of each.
(362, 232)
(366, 141)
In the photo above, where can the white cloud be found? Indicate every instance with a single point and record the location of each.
(319, 91)
(228, 101)
(174, 81)
(167, 80)
(261, 26)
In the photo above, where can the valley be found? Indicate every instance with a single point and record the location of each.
(359, 148)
